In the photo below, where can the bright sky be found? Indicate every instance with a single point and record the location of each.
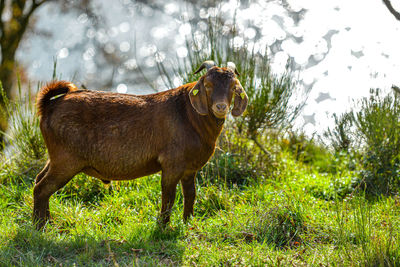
(364, 51)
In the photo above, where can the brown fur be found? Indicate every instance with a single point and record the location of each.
(115, 136)
(51, 90)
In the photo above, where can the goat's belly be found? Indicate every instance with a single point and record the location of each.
(122, 172)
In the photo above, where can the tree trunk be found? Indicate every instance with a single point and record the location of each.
(7, 79)
(11, 33)
(7, 66)
(7, 73)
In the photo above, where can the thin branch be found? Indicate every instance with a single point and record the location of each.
(389, 6)
(34, 6)
(23, 20)
(38, 3)
(2, 5)
(266, 152)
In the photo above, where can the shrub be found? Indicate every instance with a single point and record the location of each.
(311, 151)
(227, 168)
(370, 134)
(340, 136)
(302, 147)
(234, 163)
(378, 127)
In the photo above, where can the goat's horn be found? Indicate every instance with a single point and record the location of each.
(232, 66)
(206, 64)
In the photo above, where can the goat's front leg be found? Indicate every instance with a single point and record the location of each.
(169, 181)
(189, 194)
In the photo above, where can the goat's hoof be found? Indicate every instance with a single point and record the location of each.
(162, 222)
(187, 217)
(40, 223)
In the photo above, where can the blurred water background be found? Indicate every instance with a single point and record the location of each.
(339, 49)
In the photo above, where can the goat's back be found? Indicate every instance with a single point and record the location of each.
(125, 133)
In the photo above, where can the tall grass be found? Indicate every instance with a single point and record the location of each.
(281, 226)
(25, 149)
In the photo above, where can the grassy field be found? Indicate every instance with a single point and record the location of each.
(266, 198)
(298, 216)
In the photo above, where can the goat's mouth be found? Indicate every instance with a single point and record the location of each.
(220, 109)
(220, 115)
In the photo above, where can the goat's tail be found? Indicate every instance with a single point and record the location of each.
(52, 90)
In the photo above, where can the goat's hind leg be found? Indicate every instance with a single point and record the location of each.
(53, 180)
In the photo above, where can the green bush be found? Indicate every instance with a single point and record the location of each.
(313, 152)
(340, 136)
(303, 147)
(228, 168)
(234, 163)
(238, 161)
(378, 127)
(370, 134)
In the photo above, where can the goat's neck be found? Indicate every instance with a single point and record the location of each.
(208, 126)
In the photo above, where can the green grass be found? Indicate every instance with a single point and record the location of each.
(297, 205)
(300, 207)
(297, 218)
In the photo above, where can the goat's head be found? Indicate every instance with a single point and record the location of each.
(215, 90)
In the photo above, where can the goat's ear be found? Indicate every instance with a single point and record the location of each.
(241, 100)
(198, 98)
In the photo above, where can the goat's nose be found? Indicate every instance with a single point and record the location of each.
(221, 107)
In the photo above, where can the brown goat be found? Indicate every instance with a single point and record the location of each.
(115, 136)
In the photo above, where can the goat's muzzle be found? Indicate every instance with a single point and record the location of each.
(220, 110)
